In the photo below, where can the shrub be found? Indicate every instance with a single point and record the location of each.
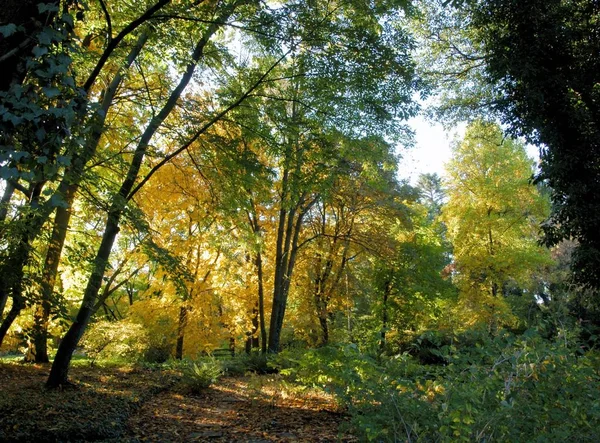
(115, 340)
(508, 388)
(158, 352)
(197, 376)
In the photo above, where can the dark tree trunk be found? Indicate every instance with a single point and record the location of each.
(232, 345)
(252, 338)
(9, 190)
(181, 325)
(261, 303)
(323, 322)
(384, 315)
(13, 269)
(13, 313)
(60, 367)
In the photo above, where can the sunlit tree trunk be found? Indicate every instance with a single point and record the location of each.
(63, 213)
(59, 372)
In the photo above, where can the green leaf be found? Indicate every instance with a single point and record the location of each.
(57, 201)
(47, 7)
(38, 51)
(51, 92)
(8, 30)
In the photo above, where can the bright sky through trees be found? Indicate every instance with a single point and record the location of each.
(432, 149)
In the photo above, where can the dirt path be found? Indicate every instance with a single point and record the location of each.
(245, 409)
(135, 405)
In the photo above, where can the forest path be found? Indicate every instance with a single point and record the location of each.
(256, 408)
(120, 404)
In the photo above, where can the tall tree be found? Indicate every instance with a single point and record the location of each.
(216, 19)
(52, 105)
(493, 215)
(544, 58)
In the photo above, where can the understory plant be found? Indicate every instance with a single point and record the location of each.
(510, 388)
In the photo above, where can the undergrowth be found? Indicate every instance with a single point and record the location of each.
(507, 388)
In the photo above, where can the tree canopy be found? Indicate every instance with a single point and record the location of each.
(186, 181)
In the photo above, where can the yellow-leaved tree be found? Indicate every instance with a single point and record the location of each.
(493, 215)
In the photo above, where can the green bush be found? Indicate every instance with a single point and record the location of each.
(115, 340)
(197, 376)
(158, 352)
(507, 388)
(254, 362)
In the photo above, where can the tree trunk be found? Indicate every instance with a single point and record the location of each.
(60, 368)
(287, 246)
(13, 313)
(232, 346)
(384, 317)
(181, 332)
(252, 339)
(9, 189)
(261, 303)
(14, 268)
(323, 322)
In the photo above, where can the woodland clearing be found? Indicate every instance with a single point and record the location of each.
(142, 404)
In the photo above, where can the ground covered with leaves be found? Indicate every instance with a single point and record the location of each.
(140, 404)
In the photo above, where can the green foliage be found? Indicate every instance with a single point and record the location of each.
(110, 340)
(544, 59)
(196, 376)
(158, 352)
(508, 388)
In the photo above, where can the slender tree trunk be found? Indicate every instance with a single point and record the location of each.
(252, 339)
(181, 325)
(232, 345)
(13, 313)
(261, 303)
(3, 300)
(9, 190)
(384, 315)
(323, 322)
(59, 372)
(13, 269)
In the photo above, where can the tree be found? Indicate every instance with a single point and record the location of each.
(544, 58)
(52, 105)
(216, 20)
(492, 216)
(432, 194)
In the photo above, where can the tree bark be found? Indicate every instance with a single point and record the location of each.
(182, 323)
(14, 268)
(261, 303)
(252, 339)
(9, 189)
(59, 372)
(384, 315)
(63, 213)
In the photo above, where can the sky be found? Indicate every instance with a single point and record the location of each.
(431, 151)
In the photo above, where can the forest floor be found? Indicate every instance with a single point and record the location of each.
(135, 404)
